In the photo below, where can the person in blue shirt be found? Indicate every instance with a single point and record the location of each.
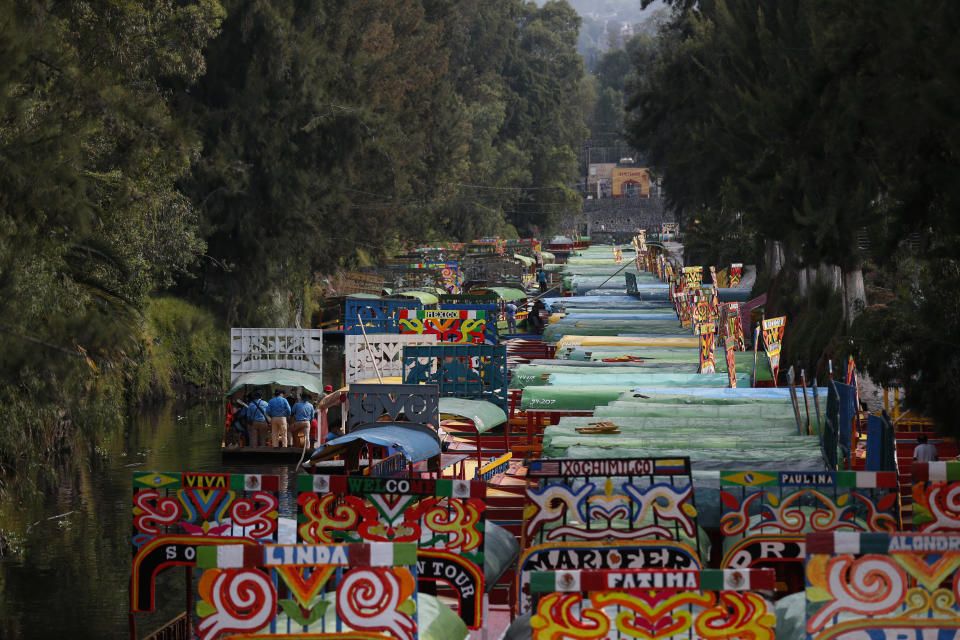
(510, 310)
(542, 280)
(302, 415)
(279, 410)
(257, 419)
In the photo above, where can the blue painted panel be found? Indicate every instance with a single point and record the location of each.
(459, 370)
(378, 316)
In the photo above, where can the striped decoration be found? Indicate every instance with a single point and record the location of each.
(366, 485)
(582, 581)
(616, 467)
(853, 542)
(233, 481)
(936, 471)
(441, 314)
(845, 479)
(368, 554)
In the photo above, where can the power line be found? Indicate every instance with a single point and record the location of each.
(481, 186)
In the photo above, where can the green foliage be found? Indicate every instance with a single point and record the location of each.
(815, 330)
(333, 130)
(823, 123)
(716, 238)
(183, 346)
(90, 219)
(910, 334)
(230, 154)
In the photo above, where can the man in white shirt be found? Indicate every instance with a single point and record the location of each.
(924, 452)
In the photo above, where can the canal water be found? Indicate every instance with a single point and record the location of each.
(65, 571)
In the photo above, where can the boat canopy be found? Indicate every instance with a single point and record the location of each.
(415, 445)
(423, 296)
(504, 293)
(598, 328)
(740, 394)
(576, 315)
(500, 551)
(773, 444)
(280, 377)
(643, 378)
(569, 340)
(569, 398)
(526, 260)
(485, 415)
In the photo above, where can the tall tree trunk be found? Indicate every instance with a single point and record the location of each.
(775, 257)
(854, 294)
(830, 275)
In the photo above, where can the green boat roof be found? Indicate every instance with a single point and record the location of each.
(526, 260)
(647, 379)
(423, 296)
(772, 442)
(569, 398)
(485, 415)
(504, 293)
(677, 410)
(500, 551)
(279, 377)
(527, 375)
(606, 327)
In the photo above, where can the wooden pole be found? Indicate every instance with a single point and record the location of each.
(367, 342)
(793, 398)
(131, 614)
(803, 380)
(816, 404)
(189, 580)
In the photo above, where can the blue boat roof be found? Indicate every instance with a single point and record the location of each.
(414, 445)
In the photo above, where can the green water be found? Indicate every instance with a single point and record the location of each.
(66, 571)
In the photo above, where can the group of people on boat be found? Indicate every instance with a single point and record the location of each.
(536, 317)
(255, 422)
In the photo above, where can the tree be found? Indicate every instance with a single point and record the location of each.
(824, 124)
(545, 114)
(312, 124)
(91, 218)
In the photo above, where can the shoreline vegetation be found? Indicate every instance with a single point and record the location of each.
(170, 170)
(180, 354)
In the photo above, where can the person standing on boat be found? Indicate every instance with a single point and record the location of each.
(924, 452)
(535, 317)
(510, 309)
(279, 410)
(302, 415)
(257, 420)
(542, 280)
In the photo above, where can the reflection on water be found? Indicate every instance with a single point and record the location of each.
(66, 573)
